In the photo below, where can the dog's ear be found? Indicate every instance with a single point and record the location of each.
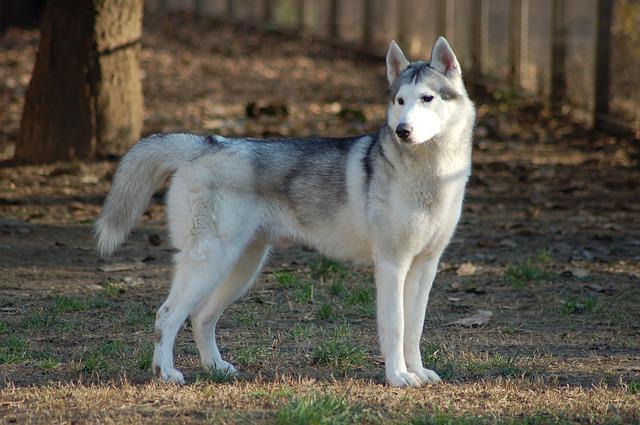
(444, 60)
(396, 62)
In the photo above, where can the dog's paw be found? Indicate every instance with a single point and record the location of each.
(427, 376)
(172, 375)
(403, 379)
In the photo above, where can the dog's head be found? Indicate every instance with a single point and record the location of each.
(423, 96)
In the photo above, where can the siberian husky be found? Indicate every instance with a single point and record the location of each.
(391, 199)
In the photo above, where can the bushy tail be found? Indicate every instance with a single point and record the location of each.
(140, 173)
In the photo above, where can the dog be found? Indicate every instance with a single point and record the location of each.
(391, 199)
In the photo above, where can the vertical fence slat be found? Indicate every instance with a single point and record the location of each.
(333, 19)
(518, 42)
(603, 57)
(230, 9)
(446, 19)
(267, 11)
(401, 23)
(367, 27)
(300, 14)
(559, 32)
(479, 38)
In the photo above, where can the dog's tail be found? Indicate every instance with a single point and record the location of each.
(140, 173)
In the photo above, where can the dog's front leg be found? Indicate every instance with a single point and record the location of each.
(416, 296)
(390, 276)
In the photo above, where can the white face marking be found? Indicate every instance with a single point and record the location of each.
(422, 109)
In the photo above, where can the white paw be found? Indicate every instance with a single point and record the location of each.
(222, 366)
(403, 379)
(426, 376)
(172, 375)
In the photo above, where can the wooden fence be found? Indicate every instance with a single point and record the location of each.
(581, 56)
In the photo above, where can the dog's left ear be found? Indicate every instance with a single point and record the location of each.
(444, 60)
(396, 62)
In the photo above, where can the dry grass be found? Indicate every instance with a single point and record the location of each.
(261, 402)
(551, 226)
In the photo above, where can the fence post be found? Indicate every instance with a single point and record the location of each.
(300, 14)
(267, 11)
(518, 42)
(230, 9)
(603, 56)
(401, 11)
(333, 19)
(479, 38)
(367, 33)
(446, 19)
(558, 53)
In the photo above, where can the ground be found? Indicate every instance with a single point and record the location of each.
(549, 243)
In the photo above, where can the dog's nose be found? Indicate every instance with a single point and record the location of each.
(403, 131)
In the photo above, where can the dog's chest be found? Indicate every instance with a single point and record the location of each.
(425, 215)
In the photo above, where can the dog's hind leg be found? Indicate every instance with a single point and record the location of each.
(416, 295)
(198, 271)
(206, 315)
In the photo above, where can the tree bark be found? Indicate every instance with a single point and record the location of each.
(85, 95)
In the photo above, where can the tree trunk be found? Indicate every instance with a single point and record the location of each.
(85, 95)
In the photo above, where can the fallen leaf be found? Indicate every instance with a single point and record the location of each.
(131, 281)
(507, 243)
(480, 318)
(466, 269)
(580, 273)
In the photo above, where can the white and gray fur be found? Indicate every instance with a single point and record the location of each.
(391, 199)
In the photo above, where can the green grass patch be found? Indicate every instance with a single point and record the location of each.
(66, 304)
(42, 317)
(4, 329)
(529, 270)
(318, 409)
(327, 269)
(115, 356)
(143, 357)
(139, 314)
(214, 375)
(14, 349)
(581, 305)
(452, 366)
(361, 296)
(247, 318)
(102, 358)
(49, 363)
(302, 331)
(52, 316)
(325, 312)
(339, 351)
(111, 290)
(337, 289)
(633, 387)
(304, 293)
(251, 355)
(286, 280)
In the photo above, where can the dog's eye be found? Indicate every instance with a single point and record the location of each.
(400, 101)
(426, 99)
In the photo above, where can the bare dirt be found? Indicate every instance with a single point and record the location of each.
(549, 242)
